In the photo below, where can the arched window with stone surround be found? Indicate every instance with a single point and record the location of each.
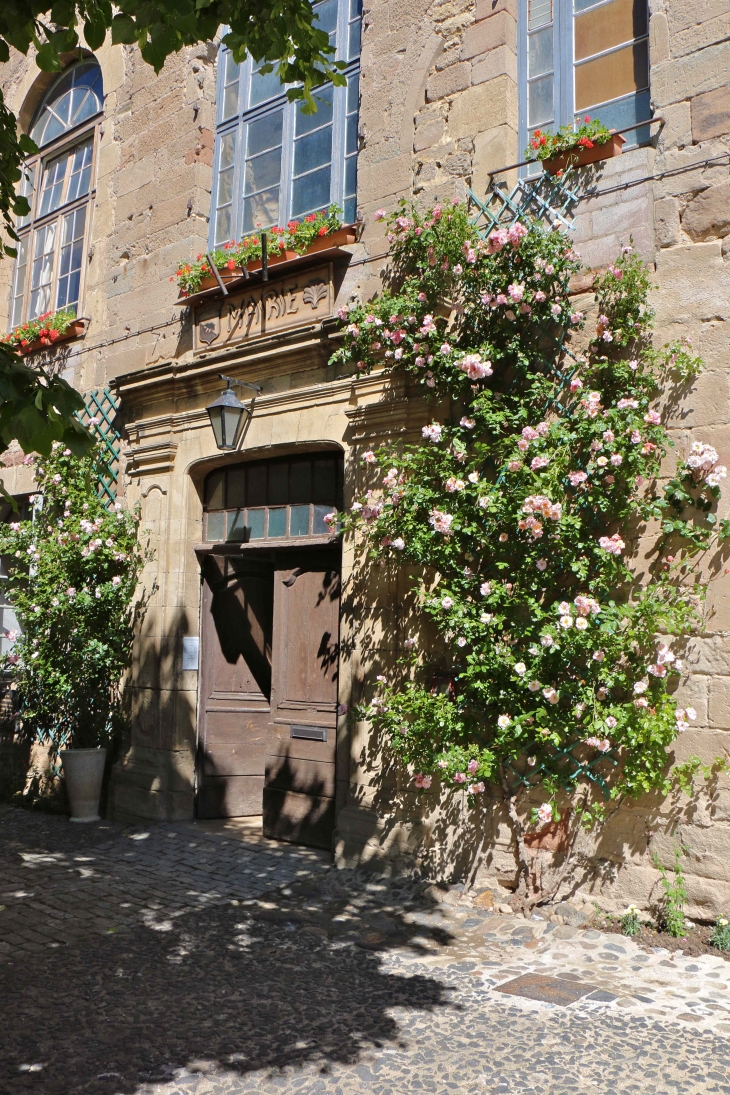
(59, 186)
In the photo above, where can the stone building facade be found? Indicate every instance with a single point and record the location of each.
(448, 91)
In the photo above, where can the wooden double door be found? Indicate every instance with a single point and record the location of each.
(268, 690)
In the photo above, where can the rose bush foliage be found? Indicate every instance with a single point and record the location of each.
(73, 571)
(521, 507)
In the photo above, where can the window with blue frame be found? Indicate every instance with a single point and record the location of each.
(273, 162)
(582, 57)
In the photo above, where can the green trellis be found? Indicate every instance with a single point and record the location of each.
(99, 416)
(549, 199)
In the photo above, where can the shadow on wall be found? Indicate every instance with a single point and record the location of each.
(154, 778)
(226, 990)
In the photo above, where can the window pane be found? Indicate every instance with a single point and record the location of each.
(236, 488)
(325, 481)
(299, 521)
(235, 525)
(225, 187)
(353, 93)
(263, 171)
(301, 481)
(42, 272)
(608, 26)
(306, 122)
(612, 76)
(257, 485)
(228, 151)
(623, 112)
(540, 100)
(351, 176)
(214, 526)
(311, 192)
(353, 45)
(80, 177)
(351, 134)
(255, 524)
(278, 483)
(214, 490)
(264, 87)
(230, 87)
(349, 210)
(313, 151)
(223, 225)
(539, 12)
(21, 269)
(224, 192)
(53, 180)
(71, 259)
(261, 211)
(325, 16)
(319, 528)
(277, 523)
(26, 187)
(74, 97)
(540, 52)
(265, 133)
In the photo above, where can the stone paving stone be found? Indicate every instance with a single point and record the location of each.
(194, 963)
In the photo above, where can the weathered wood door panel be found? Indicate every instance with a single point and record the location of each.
(235, 684)
(300, 761)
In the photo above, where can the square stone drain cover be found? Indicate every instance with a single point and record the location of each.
(549, 990)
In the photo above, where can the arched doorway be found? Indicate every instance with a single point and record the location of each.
(270, 645)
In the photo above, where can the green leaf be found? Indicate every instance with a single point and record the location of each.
(95, 32)
(124, 30)
(47, 58)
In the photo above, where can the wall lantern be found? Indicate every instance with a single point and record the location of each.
(228, 416)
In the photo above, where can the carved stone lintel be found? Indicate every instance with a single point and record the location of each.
(266, 309)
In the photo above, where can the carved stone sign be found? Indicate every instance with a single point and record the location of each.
(264, 309)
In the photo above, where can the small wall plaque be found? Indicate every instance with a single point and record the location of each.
(191, 646)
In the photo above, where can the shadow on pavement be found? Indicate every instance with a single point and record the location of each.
(259, 986)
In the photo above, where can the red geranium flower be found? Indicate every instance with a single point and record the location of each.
(323, 230)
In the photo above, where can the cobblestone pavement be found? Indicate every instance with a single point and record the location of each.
(177, 960)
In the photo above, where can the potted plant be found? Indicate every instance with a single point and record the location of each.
(74, 570)
(315, 232)
(45, 330)
(569, 147)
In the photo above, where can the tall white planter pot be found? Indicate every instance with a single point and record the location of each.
(84, 772)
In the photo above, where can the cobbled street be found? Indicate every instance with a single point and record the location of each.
(196, 959)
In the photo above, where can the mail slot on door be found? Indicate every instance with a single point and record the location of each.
(311, 733)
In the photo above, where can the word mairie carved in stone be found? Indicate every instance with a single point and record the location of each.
(264, 309)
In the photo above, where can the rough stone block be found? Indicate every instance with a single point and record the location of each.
(709, 32)
(666, 222)
(448, 82)
(483, 108)
(711, 114)
(499, 29)
(678, 79)
(498, 62)
(427, 136)
(493, 149)
(707, 216)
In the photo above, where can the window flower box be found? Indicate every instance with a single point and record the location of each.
(569, 147)
(581, 155)
(45, 331)
(317, 232)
